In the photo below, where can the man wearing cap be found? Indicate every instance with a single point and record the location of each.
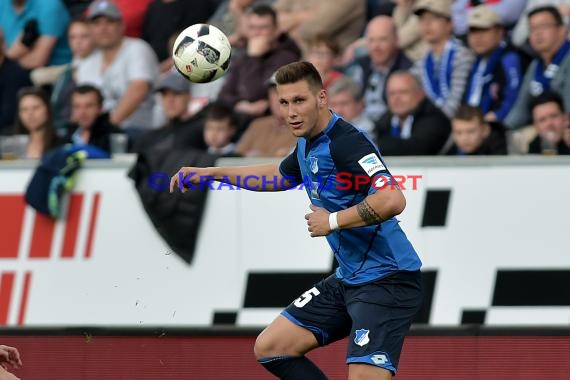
(35, 32)
(445, 68)
(496, 75)
(550, 70)
(182, 130)
(123, 68)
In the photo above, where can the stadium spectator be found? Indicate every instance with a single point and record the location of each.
(519, 36)
(267, 50)
(89, 123)
(550, 70)
(35, 120)
(219, 130)
(9, 358)
(12, 78)
(473, 135)
(267, 136)
(444, 70)
(165, 18)
(231, 18)
(551, 125)
(408, 29)
(183, 130)
(371, 72)
(496, 75)
(408, 26)
(323, 52)
(345, 98)
(508, 10)
(62, 78)
(306, 19)
(123, 68)
(35, 32)
(413, 125)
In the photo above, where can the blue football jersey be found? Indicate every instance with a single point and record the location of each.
(338, 168)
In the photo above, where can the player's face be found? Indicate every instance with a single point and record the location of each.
(107, 32)
(85, 109)
(484, 41)
(300, 107)
(345, 105)
(403, 95)
(33, 112)
(469, 134)
(550, 121)
(435, 28)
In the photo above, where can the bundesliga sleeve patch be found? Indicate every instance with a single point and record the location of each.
(371, 164)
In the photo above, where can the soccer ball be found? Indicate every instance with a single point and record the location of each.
(202, 53)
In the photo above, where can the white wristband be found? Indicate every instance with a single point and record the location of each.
(333, 221)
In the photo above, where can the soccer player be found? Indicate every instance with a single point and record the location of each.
(376, 291)
(9, 357)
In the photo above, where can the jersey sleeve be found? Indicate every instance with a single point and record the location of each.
(359, 161)
(289, 168)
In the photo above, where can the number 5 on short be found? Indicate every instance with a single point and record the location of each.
(306, 297)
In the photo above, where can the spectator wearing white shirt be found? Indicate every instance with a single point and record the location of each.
(123, 68)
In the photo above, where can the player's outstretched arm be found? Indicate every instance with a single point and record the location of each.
(256, 177)
(374, 209)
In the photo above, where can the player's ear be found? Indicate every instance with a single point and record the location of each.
(322, 98)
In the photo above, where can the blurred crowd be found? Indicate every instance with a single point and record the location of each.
(422, 77)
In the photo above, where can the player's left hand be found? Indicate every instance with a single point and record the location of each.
(318, 221)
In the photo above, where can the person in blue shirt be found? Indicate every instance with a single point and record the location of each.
(375, 292)
(36, 32)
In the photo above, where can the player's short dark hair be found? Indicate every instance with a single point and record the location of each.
(263, 10)
(547, 97)
(299, 71)
(88, 89)
(554, 12)
(219, 111)
(466, 112)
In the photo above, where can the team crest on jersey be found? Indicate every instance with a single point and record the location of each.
(314, 164)
(371, 164)
(361, 337)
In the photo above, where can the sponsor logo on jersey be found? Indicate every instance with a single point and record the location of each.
(371, 164)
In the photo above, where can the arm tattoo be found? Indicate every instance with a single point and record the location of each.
(367, 213)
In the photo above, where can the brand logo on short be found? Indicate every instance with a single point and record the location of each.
(361, 337)
(371, 164)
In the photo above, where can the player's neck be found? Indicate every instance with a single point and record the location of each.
(324, 119)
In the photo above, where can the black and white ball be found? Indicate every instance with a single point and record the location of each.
(202, 53)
